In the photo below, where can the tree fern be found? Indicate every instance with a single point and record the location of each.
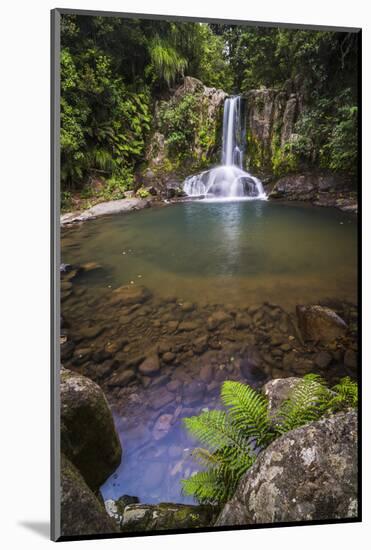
(166, 60)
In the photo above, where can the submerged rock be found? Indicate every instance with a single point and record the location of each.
(166, 516)
(81, 511)
(88, 435)
(323, 359)
(150, 366)
(130, 294)
(320, 323)
(200, 344)
(308, 474)
(217, 319)
(162, 426)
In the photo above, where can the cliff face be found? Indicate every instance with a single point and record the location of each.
(187, 131)
(186, 134)
(270, 122)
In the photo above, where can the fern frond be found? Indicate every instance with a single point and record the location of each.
(306, 403)
(166, 60)
(206, 487)
(214, 486)
(249, 411)
(215, 430)
(345, 395)
(205, 457)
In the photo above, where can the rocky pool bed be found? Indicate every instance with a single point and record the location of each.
(160, 360)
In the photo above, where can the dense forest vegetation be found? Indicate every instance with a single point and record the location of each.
(113, 71)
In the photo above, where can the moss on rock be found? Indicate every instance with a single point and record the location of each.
(88, 435)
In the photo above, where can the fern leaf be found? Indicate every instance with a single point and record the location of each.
(307, 402)
(206, 487)
(248, 409)
(215, 430)
(345, 395)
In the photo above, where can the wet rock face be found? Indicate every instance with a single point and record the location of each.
(320, 323)
(321, 190)
(81, 511)
(147, 517)
(88, 435)
(270, 118)
(307, 474)
(165, 171)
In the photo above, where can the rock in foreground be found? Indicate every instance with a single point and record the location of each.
(81, 511)
(88, 435)
(320, 323)
(166, 516)
(307, 474)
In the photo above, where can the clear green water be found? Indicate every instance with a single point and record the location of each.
(224, 252)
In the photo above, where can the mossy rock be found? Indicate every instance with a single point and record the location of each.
(167, 516)
(88, 435)
(81, 511)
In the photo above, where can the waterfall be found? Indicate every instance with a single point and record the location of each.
(228, 180)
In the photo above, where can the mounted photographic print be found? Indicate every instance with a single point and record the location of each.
(205, 187)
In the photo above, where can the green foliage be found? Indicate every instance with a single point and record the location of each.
(284, 160)
(319, 66)
(66, 201)
(114, 69)
(178, 122)
(248, 410)
(233, 438)
(103, 124)
(143, 193)
(307, 403)
(327, 133)
(167, 63)
(111, 71)
(345, 395)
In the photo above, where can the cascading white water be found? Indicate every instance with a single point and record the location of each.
(228, 180)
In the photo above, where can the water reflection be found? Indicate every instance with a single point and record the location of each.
(285, 254)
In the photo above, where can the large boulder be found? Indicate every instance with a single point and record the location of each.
(320, 323)
(166, 516)
(88, 435)
(81, 511)
(308, 474)
(104, 209)
(297, 187)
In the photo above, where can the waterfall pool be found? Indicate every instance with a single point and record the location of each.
(224, 252)
(224, 279)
